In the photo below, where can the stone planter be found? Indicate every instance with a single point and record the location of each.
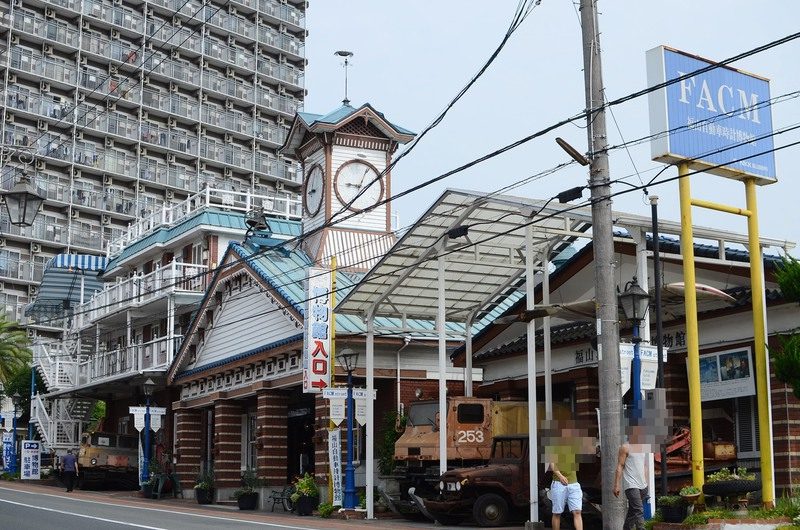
(248, 501)
(305, 505)
(204, 496)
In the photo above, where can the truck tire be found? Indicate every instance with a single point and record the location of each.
(726, 488)
(490, 510)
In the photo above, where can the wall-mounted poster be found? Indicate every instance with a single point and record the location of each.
(727, 374)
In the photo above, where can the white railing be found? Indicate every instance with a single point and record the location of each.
(57, 368)
(117, 363)
(170, 215)
(176, 277)
(59, 429)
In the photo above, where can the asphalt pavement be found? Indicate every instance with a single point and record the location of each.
(38, 507)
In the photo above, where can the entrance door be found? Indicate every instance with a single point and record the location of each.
(300, 436)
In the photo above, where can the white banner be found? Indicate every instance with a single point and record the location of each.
(142, 410)
(361, 411)
(649, 356)
(31, 460)
(726, 374)
(317, 344)
(338, 410)
(138, 422)
(335, 459)
(156, 414)
(155, 422)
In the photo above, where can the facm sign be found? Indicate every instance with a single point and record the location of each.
(719, 120)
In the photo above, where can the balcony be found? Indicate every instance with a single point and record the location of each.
(175, 278)
(54, 30)
(287, 206)
(283, 12)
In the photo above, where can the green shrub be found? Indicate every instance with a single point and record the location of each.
(250, 482)
(393, 426)
(689, 490)
(670, 500)
(325, 509)
(726, 474)
(701, 518)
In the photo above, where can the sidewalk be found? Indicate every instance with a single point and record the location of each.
(229, 511)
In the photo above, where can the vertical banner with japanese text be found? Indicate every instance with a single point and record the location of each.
(335, 459)
(318, 331)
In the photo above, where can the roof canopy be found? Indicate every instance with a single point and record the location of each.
(66, 277)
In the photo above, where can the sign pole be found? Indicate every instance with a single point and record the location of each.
(760, 353)
(692, 337)
(331, 424)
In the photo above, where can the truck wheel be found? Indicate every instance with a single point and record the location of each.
(490, 510)
(448, 520)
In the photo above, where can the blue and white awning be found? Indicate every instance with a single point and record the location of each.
(85, 262)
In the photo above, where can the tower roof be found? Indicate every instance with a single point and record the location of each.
(307, 122)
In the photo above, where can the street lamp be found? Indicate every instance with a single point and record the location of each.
(22, 202)
(16, 399)
(634, 302)
(348, 360)
(147, 388)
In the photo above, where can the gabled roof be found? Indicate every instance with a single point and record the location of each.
(305, 122)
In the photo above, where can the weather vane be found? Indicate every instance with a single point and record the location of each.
(346, 54)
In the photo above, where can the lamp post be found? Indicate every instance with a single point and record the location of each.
(22, 202)
(15, 399)
(147, 388)
(348, 360)
(634, 302)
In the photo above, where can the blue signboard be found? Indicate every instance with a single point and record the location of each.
(721, 117)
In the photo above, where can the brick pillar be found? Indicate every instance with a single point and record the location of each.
(272, 433)
(188, 445)
(587, 398)
(227, 444)
(321, 423)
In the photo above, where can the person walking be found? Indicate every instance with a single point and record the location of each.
(631, 470)
(563, 452)
(69, 469)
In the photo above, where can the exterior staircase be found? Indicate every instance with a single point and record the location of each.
(60, 421)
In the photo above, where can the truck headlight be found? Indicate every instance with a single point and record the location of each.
(94, 461)
(458, 486)
(441, 485)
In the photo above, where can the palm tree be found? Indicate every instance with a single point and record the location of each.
(14, 351)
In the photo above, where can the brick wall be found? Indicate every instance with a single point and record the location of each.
(272, 433)
(188, 446)
(227, 443)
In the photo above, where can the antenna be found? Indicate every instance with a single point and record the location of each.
(346, 54)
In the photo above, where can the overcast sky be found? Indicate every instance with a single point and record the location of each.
(412, 57)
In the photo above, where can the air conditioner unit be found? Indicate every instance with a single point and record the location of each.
(2, 241)
(142, 151)
(81, 96)
(14, 39)
(110, 105)
(203, 97)
(79, 135)
(176, 22)
(47, 49)
(12, 78)
(40, 165)
(170, 158)
(142, 114)
(279, 186)
(106, 219)
(114, 34)
(31, 333)
(140, 187)
(109, 142)
(228, 172)
(176, 54)
(36, 248)
(44, 86)
(41, 125)
(2, 287)
(202, 166)
(228, 138)
(76, 172)
(173, 87)
(204, 64)
(171, 122)
(170, 194)
(75, 214)
(112, 69)
(85, 25)
(49, 13)
(117, 2)
(231, 40)
(32, 291)
(9, 117)
(228, 104)
(231, 9)
(82, 60)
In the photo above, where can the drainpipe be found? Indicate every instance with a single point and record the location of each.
(406, 342)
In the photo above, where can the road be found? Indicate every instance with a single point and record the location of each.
(34, 507)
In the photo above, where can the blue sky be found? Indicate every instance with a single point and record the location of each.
(412, 57)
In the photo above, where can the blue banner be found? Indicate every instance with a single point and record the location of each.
(8, 451)
(721, 117)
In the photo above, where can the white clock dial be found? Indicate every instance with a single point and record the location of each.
(358, 182)
(314, 190)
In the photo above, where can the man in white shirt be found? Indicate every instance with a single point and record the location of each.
(631, 467)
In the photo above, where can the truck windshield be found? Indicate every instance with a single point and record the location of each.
(423, 414)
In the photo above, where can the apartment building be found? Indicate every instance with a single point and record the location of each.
(122, 111)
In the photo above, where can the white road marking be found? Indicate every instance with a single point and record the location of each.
(174, 512)
(82, 515)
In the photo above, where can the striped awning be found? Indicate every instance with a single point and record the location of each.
(85, 262)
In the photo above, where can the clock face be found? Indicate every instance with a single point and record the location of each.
(313, 192)
(357, 182)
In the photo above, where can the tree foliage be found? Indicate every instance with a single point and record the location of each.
(786, 358)
(14, 351)
(19, 382)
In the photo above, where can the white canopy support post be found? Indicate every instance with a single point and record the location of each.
(370, 416)
(440, 328)
(171, 328)
(468, 356)
(532, 424)
(548, 367)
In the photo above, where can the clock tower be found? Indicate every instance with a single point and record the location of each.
(345, 155)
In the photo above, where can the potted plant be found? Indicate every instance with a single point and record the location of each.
(306, 495)
(247, 496)
(148, 486)
(690, 494)
(673, 508)
(204, 487)
(725, 483)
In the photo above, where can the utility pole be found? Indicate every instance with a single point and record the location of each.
(603, 244)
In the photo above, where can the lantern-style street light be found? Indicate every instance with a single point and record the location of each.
(22, 202)
(348, 360)
(634, 302)
(147, 388)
